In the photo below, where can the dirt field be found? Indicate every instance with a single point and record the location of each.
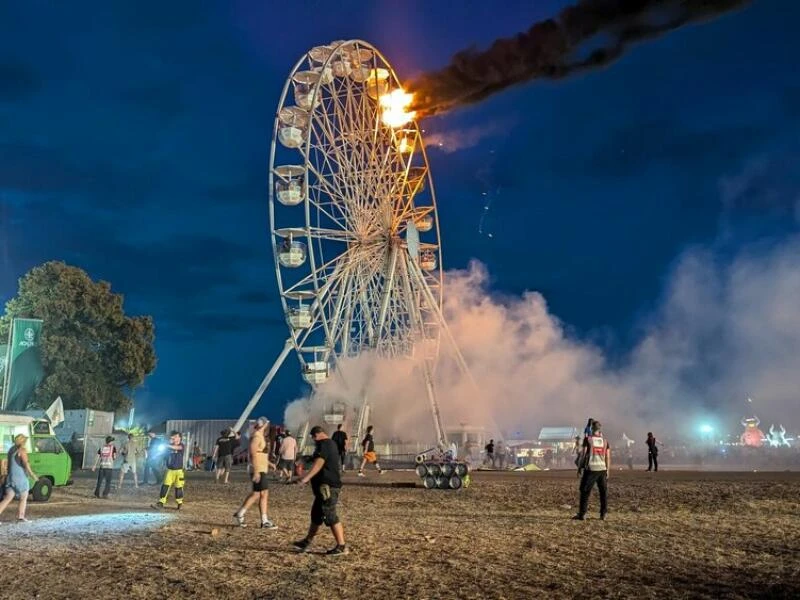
(669, 535)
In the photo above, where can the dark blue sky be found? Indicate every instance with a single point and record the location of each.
(134, 142)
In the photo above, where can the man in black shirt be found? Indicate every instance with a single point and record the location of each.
(652, 452)
(490, 452)
(326, 483)
(223, 452)
(340, 439)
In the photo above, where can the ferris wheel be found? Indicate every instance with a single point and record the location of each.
(355, 231)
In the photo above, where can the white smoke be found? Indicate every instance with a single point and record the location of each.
(723, 332)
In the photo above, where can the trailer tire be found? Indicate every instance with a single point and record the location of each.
(43, 489)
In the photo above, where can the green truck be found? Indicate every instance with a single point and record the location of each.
(47, 457)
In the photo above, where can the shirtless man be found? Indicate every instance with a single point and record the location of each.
(259, 465)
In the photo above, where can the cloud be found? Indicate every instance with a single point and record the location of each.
(462, 139)
(766, 183)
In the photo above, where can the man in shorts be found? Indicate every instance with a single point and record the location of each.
(326, 484)
(259, 464)
(223, 452)
(130, 456)
(368, 445)
(287, 456)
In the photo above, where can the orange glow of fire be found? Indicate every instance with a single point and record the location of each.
(395, 108)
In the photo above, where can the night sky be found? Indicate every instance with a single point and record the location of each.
(134, 143)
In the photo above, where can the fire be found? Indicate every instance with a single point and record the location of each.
(395, 108)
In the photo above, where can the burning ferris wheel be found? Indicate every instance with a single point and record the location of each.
(353, 218)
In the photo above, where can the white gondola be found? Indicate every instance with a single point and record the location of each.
(299, 317)
(317, 57)
(293, 126)
(292, 254)
(405, 140)
(424, 223)
(290, 187)
(427, 260)
(340, 61)
(377, 83)
(305, 89)
(359, 56)
(315, 372)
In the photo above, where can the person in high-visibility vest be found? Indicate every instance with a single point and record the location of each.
(596, 466)
(174, 477)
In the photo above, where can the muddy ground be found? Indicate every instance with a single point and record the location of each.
(669, 535)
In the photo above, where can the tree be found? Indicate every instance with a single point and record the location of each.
(93, 355)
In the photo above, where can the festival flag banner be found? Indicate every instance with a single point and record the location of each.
(24, 369)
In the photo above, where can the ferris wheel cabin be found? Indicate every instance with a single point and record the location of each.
(291, 185)
(292, 254)
(315, 372)
(293, 126)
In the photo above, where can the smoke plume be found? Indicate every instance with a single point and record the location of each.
(723, 331)
(557, 48)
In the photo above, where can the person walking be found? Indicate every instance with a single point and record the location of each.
(500, 451)
(652, 452)
(489, 448)
(152, 459)
(17, 484)
(326, 485)
(368, 445)
(130, 456)
(223, 453)
(106, 456)
(288, 454)
(339, 438)
(597, 464)
(174, 475)
(259, 465)
(197, 457)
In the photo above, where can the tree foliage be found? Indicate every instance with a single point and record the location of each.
(93, 355)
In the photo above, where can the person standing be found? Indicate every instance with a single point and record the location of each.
(652, 452)
(223, 453)
(339, 438)
(197, 456)
(501, 454)
(597, 464)
(288, 454)
(174, 475)
(368, 445)
(17, 484)
(130, 456)
(326, 485)
(259, 464)
(152, 459)
(105, 458)
(489, 448)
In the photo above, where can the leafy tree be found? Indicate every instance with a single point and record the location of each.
(93, 355)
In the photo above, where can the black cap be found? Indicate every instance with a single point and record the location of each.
(315, 430)
(109, 439)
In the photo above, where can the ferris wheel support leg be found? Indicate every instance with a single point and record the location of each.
(287, 347)
(441, 437)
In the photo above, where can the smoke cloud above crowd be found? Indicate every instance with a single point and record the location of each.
(722, 332)
(585, 36)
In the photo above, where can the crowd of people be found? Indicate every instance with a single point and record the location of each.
(166, 465)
